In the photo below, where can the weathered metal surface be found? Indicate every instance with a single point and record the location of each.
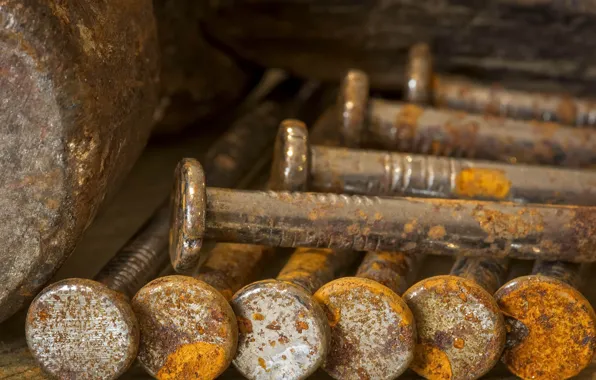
(487, 272)
(232, 266)
(410, 128)
(551, 326)
(283, 332)
(518, 39)
(188, 329)
(367, 172)
(352, 102)
(78, 88)
(289, 170)
(80, 328)
(395, 270)
(424, 226)
(373, 333)
(461, 332)
(198, 80)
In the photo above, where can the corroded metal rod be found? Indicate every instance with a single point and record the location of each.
(551, 325)
(368, 172)
(423, 86)
(426, 226)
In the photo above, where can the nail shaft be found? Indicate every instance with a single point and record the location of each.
(395, 270)
(568, 273)
(489, 273)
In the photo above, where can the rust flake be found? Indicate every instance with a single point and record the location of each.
(483, 183)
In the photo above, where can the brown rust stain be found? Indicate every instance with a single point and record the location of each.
(437, 232)
(244, 325)
(485, 183)
(409, 115)
(262, 364)
(499, 225)
(567, 110)
(301, 326)
(431, 363)
(199, 360)
(559, 338)
(258, 317)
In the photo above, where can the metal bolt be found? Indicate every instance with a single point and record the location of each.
(283, 331)
(551, 327)
(373, 333)
(87, 327)
(461, 332)
(411, 128)
(424, 226)
(366, 172)
(457, 93)
(187, 325)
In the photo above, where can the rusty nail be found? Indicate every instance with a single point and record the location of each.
(352, 102)
(424, 226)
(283, 332)
(461, 332)
(411, 128)
(62, 317)
(462, 94)
(551, 327)
(367, 172)
(187, 325)
(373, 333)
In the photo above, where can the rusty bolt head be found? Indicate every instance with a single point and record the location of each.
(352, 105)
(290, 168)
(79, 328)
(283, 332)
(461, 332)
(188, 215)
(373, 334)
(188, 329)
(418, 81)
(551, 328)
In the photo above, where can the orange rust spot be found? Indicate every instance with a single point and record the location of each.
(305, 261)
(301, 326)
(506, 226)
(42, 316)
(437, 232)
(378, 216)
(272, 343)
(411, 226)
(258, 317)
(199, 360)
(409, 115)
(244, 325)
(485, 183)
(263, 364)
(458, 343)
(567, 110)
(431, 363)
(559, 328)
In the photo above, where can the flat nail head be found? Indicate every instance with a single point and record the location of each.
(558, 338)
(188, 329)
(188, 215)
(290, 168)
(373, 334)
(79, 328)
(283, 332)
(461, 332)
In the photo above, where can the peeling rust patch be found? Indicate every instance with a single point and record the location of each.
(482, 183)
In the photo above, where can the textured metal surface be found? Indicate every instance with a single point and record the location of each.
(283, 332)
(352, 103)
(461, 332)
(78, 89)
(368, 172)
(80, 329)
(289, 170)
(373, 333)
(410, 128)
(487, 272)
(424, 226)
(395, 270)
(188, 329)
(551, 328)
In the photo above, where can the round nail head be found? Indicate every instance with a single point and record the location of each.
(461, 332)
(283, 332)
(551, 328)
(290, 168)
(188, 329)
(79, 328)
(189, 200)
(419, 75)
(373, 334)
(352, 106)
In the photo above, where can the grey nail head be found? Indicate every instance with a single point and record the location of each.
(188, 329)
(290, 167)
(106, 346)
(283, 332)
(188, 215)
